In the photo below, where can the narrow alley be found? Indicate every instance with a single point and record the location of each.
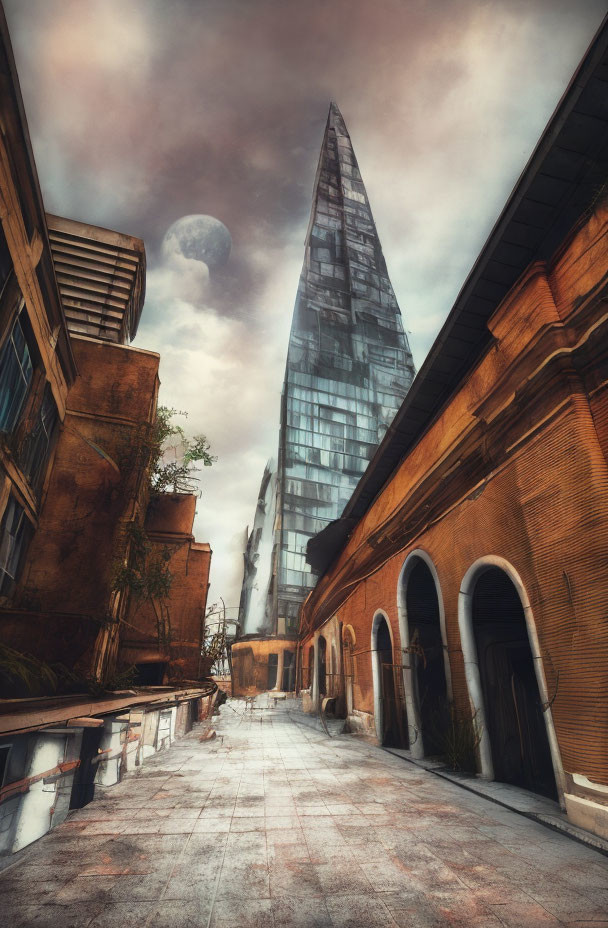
(272, 823)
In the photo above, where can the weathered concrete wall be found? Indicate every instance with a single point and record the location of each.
(42, 766)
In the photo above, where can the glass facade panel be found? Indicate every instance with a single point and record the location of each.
(348, 369)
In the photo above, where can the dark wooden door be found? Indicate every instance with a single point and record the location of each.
(515, 719)
(394, 719)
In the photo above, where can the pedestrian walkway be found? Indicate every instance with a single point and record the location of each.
(274, 824)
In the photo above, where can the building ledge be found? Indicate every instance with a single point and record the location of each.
(21, 715)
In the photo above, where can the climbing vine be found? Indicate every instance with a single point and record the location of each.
(146, 577)
(170, 461)
(169, 457)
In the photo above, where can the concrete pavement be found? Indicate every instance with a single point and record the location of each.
(274, 824)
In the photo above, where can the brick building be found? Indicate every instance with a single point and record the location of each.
(175, 653)
(461, 607)
(77, 404)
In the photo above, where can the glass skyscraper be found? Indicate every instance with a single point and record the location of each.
(348, 369)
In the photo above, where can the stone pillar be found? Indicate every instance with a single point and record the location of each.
(279, 683)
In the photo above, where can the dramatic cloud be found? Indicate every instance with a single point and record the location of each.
(146, 111)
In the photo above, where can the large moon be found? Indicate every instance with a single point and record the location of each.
(199, 237)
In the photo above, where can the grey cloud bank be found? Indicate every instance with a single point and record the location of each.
(145, 112)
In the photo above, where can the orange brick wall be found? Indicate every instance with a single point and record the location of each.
(515, 467)
(250, 674)
(94, 484)
(169, 522)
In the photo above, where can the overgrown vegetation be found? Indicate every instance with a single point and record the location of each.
(146, 577)
(461, 738)
(213, 647)
(25, 675)
(170, 459)
(172, 456)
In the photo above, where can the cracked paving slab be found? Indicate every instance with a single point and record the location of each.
(275, 825)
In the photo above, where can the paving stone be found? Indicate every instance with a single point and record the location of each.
(300, 913)
(274, 824)
(356, 911)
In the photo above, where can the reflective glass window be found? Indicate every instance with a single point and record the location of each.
(16, 372)
(15, 533)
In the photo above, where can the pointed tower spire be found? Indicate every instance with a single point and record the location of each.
(348, 369)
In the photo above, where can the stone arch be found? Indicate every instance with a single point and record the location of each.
(391, 726)
(311, 667)
(321, 667)
(474, 670)
(438, 674)
(349, 641)
(333, 683)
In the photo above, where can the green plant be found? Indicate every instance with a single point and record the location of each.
(167, 438)
(169, 458)
(461, 738)
(146, 576)
(213, 646)
(26, 673)
(122, 680)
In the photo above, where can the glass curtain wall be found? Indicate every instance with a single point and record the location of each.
(348, 368)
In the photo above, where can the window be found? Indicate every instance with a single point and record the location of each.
(5, 750)
(6, 262)
(15, 533)
(16, 371)
(37, 446)
(273, 667)
(311, 665)
(289, 668)
(291, 624)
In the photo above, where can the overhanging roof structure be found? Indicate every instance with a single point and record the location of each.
(101, 276)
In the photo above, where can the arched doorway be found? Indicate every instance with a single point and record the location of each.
(311, 666)
(431, 707)
(348, 657)
(334, 681)
(513, 714)
(389, 706)
(289, 671)
(322, 667)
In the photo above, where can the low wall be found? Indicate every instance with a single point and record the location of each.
(50, 771)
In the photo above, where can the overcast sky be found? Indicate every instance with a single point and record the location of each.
(143, 111)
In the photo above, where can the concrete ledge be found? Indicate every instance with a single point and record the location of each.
(585, 813)
(362, 723)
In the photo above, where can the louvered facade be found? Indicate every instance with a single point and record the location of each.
(101, 278)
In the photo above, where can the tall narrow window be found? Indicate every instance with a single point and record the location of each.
(15, 533)
(37, 445)
(16, 371)
(273, 666)
(6, 262)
